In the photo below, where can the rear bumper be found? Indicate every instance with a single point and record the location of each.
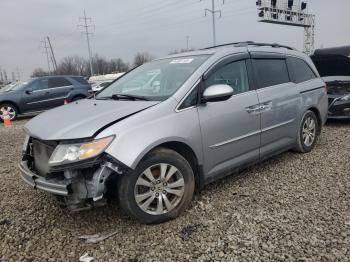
(52, 186)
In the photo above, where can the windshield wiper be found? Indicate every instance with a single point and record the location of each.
(126, 96)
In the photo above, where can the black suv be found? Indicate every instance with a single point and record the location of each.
(42, 93)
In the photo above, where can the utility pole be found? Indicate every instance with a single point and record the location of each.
(18, 74)
(213, 13)
(86, 26)
(187, 41)
(5, 76)
(54, 63)
(46, 52)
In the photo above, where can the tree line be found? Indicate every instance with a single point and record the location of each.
(76, 65)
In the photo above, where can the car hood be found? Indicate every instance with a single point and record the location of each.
(6, 92)
(82, 119)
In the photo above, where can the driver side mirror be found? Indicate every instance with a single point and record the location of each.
(29, 91)
(216, 93)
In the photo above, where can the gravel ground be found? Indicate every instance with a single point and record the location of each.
(292, 207)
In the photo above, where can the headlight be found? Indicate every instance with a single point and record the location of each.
(345, 98)
(70, 153)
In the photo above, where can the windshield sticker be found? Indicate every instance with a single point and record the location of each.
(182, 61)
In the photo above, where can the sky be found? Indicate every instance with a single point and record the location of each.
(123, 28)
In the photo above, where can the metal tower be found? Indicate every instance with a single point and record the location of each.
(292, 13)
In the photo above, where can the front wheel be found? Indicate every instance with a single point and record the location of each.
(159, 189)
(308, 133)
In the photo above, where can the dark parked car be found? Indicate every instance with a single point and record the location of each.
(334, 67)
(42, 93)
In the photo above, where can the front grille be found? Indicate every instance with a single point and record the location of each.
(41, 152)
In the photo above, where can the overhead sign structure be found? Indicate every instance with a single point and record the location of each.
(292, 13)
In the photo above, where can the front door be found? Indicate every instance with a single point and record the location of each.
(35, 97)
(231, 128)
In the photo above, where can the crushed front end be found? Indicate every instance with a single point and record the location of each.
(58, 168)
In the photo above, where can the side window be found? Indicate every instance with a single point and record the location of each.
(58, 82)
(233, 74)
(80, 79)
(271, 72)
(191, 99)
(39, 84)
(299, 70)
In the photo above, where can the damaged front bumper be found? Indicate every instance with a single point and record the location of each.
(79, 188)
(338, 109)
(52, 186)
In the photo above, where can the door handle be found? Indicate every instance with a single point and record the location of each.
(253, 109)
(265, 106)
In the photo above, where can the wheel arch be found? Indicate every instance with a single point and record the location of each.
(186, 152)
(75, 93)
(12, 103)
(77, 96)
(318, 116)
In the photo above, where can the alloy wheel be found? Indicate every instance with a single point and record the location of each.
(309, 131)
(159, 189)
(11, 111)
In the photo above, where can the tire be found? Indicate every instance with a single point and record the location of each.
(13, 111)
(163, 201)
(308, 133)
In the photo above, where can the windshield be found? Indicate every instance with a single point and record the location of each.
(156, 80)
(16, 86)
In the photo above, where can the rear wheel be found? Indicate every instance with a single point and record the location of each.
(10, 109)
(308, 133)
(159, 189)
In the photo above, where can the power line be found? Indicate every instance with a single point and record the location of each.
(142, 13)
(123, 23)
(213, 13)
(86, 27)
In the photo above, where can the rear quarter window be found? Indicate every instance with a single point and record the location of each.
(271, 72)
(299, 70)
(58, 82)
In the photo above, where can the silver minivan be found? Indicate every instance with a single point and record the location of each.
(175, 124)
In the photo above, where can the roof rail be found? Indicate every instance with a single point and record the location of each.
(250, 43)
